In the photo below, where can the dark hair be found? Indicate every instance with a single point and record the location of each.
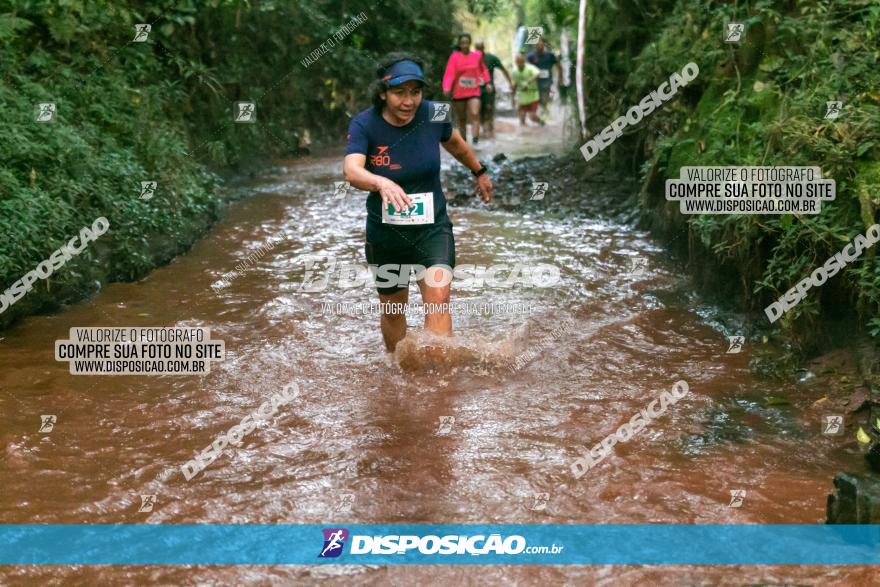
(380, 86)
(463, 35)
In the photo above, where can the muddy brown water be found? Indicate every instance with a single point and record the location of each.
(363, 443)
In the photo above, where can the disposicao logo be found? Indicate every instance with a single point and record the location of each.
(432, 544)
(334, 540)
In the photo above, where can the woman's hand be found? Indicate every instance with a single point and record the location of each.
(484, 187)
(393, 194)
(458, 148)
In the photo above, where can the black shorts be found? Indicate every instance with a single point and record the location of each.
(407, 248)
(544, 93)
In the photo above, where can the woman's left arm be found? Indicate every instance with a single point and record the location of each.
(458, 148)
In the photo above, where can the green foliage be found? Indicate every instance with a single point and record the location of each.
(760, 102)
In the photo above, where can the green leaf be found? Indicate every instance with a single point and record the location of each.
(771, 63)
(864, 148)
(62, 27)
(785, 220)
(10, 26)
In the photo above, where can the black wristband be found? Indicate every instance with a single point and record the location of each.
(483, 169)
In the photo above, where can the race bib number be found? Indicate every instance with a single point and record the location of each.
(421, 212)
(544, 73)
(467, 82)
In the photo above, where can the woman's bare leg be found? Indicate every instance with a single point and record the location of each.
(393, 318)
(460, 110)
(473, 106)
(438, 319)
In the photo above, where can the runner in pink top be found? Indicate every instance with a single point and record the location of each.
(464, 72)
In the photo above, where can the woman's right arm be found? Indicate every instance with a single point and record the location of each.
(449, 74)
(356, 174)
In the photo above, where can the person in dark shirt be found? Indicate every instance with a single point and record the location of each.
(394, 153)
(488, 95)
(546, 62)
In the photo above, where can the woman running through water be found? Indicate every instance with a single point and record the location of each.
(464, 70)
(394, 153)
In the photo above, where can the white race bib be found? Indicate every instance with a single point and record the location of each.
(544, 73)
(421, 212)
(467, 82)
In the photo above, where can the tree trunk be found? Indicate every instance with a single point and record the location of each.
(579, 73)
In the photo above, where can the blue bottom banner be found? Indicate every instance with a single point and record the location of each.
(380, 544)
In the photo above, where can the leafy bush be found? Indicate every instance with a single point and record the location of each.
(760, 102)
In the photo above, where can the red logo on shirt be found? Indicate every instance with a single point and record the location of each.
(383, 159)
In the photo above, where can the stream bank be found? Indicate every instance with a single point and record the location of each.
(843, 377)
